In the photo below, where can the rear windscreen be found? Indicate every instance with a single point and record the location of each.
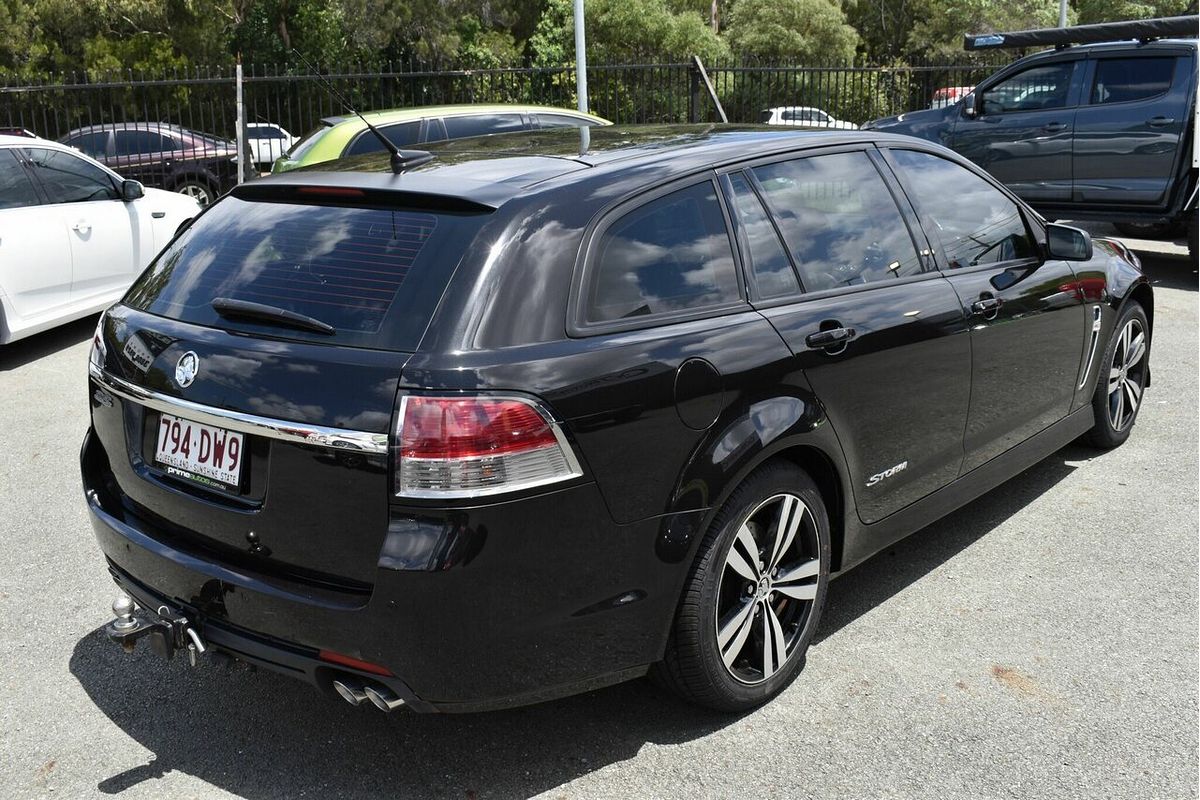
(373, 274)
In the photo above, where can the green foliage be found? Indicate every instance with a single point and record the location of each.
(791, 31)
(623, 31)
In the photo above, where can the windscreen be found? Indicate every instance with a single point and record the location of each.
(373, 274)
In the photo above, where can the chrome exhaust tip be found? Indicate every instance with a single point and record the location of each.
(383, 698)
(350, 690)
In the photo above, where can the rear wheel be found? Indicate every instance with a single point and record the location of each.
(754, 598)
(1122, 378)
(1149, 230)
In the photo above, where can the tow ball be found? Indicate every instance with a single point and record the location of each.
(167, 631)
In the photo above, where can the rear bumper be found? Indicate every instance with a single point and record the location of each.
(502, 605)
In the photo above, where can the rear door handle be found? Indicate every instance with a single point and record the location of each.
(1160, 122)
(1054, 127)
(834, 337)
(986, 305)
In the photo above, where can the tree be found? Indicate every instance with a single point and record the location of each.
(623, 31)
(791, 31)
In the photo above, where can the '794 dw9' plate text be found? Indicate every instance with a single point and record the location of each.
(200, 452)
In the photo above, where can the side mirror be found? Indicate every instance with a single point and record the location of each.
(131, 190)
(969, 109)
(1067, 243)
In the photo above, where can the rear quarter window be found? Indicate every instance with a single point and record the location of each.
(671, 254)
(374, 274)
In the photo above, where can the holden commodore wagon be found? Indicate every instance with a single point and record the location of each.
(529, 417)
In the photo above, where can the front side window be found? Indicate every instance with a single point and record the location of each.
(671, 254)
(16, 190)
(1031, 90)
(482, 125)
(839, 220)
(68, 178)
(404, 134)
(769, 262)
(976, 222)
(1121, 80)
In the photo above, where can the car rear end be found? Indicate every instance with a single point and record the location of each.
(238, 467)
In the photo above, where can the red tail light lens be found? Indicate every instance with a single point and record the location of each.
(470, 446)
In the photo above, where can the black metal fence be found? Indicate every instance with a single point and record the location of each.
(203, 98)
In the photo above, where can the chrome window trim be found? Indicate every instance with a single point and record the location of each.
(282, 430)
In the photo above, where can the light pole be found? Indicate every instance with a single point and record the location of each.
(580, 58)
(1062, 13)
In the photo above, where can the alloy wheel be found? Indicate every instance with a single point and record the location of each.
(1126, 375)
(196, 192)
(769, 581)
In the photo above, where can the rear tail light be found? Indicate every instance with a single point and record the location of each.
(470, 446)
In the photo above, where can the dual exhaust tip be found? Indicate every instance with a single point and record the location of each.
(354, 692)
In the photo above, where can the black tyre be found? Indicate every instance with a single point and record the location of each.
(1149, 230)
(198, 189)
(754, 598)
(1122, 378)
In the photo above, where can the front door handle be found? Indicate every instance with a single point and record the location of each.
(829, 339)
(81, 227)
(986, 306)
(1160, 122)
(1054, 127)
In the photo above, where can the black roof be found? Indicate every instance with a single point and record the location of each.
(492, 170)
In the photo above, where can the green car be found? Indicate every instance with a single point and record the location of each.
(339, 137)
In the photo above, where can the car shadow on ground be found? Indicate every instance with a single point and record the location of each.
(262, 735)
(24, 351)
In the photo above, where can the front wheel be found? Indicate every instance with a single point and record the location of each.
(1122, 378)
(197, 189)
(754, 598)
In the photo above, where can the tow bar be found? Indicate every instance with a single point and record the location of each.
(168, 631)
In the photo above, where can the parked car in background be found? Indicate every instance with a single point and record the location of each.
(1103, 131)
(342, 136)
(949, 95)
(267, 142)
(73, 234)
(25, 132)
(550, 411)
(163, 156)
(803, 117)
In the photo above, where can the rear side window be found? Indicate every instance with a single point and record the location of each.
(976, 222)
(482, 125)
(562, 121)
(671, 254)
(374, 274)
(1120, 80)
(769, 262)
(404, 134)
(16, 190)
(135, 142)
(68, 178)
(839, 220)
(94, 144)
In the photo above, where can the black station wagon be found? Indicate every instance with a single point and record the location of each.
(539, 415)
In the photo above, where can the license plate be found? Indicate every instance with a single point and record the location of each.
(202, 453)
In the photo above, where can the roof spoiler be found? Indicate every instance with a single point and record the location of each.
(319, 188)
(1142, 30)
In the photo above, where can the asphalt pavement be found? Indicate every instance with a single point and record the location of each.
(1039, 643)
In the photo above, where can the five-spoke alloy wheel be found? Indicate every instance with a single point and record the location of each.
(1124, 375)
(754, 597)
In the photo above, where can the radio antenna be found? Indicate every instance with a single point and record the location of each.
(400, 160)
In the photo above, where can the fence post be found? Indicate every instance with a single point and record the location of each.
(243, 156)
(693, 92)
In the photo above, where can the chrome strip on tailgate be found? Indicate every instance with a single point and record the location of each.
(297, 432)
